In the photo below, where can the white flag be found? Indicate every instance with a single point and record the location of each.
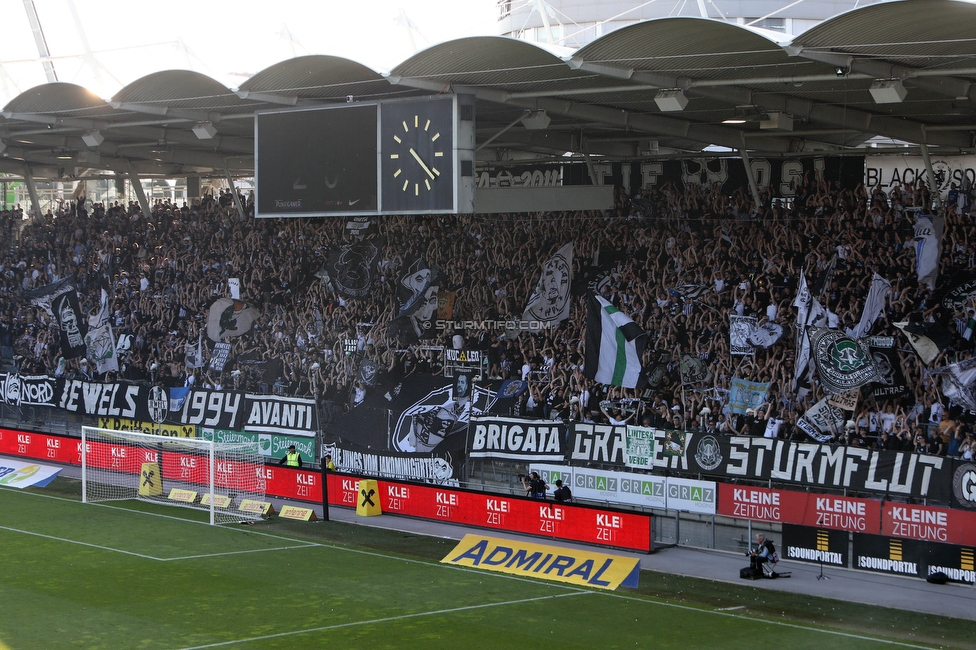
(873, 306)
(550, 301)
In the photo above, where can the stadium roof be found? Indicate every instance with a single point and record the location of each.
(818, 93)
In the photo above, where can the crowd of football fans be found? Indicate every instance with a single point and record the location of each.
(164, 269)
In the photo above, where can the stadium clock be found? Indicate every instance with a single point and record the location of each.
(417, 155)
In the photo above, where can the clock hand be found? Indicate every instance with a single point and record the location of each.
(426, 169)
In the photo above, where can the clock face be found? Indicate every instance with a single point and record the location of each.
(417, 155)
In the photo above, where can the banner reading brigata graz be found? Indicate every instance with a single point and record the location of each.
(810, 464)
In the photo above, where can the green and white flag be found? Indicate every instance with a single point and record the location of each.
(614, 345)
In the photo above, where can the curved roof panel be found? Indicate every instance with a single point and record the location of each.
(916, 33)
(319, 77)
(493, 61)
(178, 89)
(58, 97)
(691, 47)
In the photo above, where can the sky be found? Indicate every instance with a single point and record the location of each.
(229, 40)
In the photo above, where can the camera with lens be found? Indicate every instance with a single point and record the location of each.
(521, 477)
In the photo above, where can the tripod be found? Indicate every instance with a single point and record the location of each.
(822, 576)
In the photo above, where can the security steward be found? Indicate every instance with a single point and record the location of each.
(291, 459)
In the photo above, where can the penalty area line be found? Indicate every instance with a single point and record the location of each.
(74, 541)
(386, 619)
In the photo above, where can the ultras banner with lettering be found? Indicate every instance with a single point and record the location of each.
(516, 439)
(894, 473)
(217, 409)
(441, 468)
(19, 390)
(826, 466)
(273, 414)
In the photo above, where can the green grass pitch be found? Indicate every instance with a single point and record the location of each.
(132, 575)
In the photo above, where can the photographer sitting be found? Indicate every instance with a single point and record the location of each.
(764, 553)
(534, 486)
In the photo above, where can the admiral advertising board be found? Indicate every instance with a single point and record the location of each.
(909, 557)
(817, 545)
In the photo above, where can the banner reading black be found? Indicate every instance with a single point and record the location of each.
(817, 545)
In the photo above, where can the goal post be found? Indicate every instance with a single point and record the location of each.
(187, 472)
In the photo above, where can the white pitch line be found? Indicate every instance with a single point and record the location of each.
(753, 619)
(74, 541)
(253, 550)
(387, 619)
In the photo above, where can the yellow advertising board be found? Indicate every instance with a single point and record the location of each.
(294, 512)
(515, 557)
(220, 501)
(151, 480)
(177, 494)
(256, 507)
(156, 429)
(368, 503)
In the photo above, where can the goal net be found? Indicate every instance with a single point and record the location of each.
(187, 472)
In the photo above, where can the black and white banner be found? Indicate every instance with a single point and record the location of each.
(60, 300)
(219, 356)
(439, 469)
(842, 362)
(549, 302)
(740, 328)
(891, 380)
(217, 409)
(273, 414)
(516, 439)
(823, 421)
(351, 268)
(19, 390)
(120, 399)
(898, 473)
